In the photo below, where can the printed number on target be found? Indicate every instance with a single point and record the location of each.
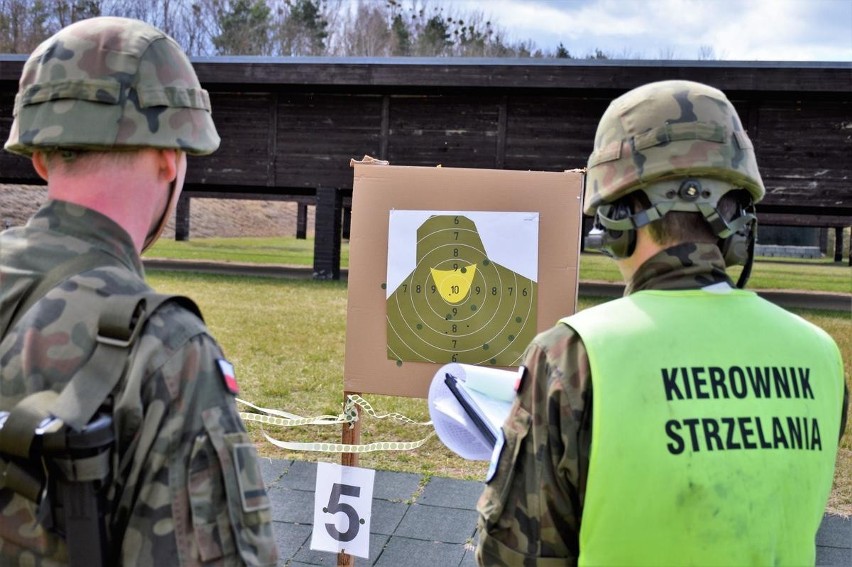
(343, 502)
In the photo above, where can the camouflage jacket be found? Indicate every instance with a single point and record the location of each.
(531, 509)
(187, 487)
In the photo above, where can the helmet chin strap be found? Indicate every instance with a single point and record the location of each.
(155, 233)
(174, 192)
(749, 262)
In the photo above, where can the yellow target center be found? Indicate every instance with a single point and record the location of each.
(454, 285)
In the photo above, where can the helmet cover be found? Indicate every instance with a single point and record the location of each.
(666, 131)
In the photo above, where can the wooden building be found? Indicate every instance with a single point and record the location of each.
(289, 126)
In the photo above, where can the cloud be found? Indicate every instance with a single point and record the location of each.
(735, 29)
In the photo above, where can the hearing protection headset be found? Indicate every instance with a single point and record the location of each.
(614, 229)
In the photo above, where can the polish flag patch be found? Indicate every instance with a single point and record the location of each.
(519, 381)
(228, 376)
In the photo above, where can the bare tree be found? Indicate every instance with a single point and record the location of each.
(374, 28)
(303, 28)
(706, 53)
(472, 36)
(159, 13)
(23, 25)
(627, 53)
(419, 29)
(667, 54)
(69, 11)
(366, 32)
(196, 25)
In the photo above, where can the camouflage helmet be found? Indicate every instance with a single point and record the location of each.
(111, 83)
(663, 132)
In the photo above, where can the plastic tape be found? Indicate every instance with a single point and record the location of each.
(350, 415)
(345, 448)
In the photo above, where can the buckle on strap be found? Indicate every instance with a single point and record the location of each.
(22, 478)
(18, 427)
(121, 320)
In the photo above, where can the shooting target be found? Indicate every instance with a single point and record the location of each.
(458, 304)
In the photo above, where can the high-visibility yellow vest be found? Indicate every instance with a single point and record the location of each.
(715, 425)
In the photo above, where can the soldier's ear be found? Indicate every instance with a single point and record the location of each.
(168, 161)
(39, 160)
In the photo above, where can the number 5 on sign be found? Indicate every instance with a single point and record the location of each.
(342, 506)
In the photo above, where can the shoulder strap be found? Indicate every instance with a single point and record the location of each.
(120, 322)
(51, 279)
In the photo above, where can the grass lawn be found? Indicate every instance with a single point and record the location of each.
(768, 274)
(286, 340)
(286, 250)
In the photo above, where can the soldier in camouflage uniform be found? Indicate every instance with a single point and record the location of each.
(621, 477)
(108, 108)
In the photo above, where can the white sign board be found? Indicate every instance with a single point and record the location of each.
(343, 503)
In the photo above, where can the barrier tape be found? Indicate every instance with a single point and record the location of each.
(350, 415)
(285, 419)
(346, 448)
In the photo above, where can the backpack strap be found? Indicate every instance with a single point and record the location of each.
(18, 432)
(18, 471)
(75, 265)
(121, 319)
(120, 322)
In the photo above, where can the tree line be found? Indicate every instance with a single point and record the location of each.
(346, 28)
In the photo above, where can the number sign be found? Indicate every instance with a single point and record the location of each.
(342, 507)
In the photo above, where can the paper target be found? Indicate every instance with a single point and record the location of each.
(458, 304)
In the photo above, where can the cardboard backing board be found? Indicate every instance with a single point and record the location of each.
(379, 189)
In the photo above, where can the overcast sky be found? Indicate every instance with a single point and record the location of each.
(737, 30)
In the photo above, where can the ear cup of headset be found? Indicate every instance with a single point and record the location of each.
(617, 243)
(735, 248)
(738, 248)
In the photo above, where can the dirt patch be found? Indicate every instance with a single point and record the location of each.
(207, 217)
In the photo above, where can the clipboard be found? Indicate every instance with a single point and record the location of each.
(471, 408)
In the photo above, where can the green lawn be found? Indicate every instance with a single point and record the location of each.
(768, 274)
(285, 250)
